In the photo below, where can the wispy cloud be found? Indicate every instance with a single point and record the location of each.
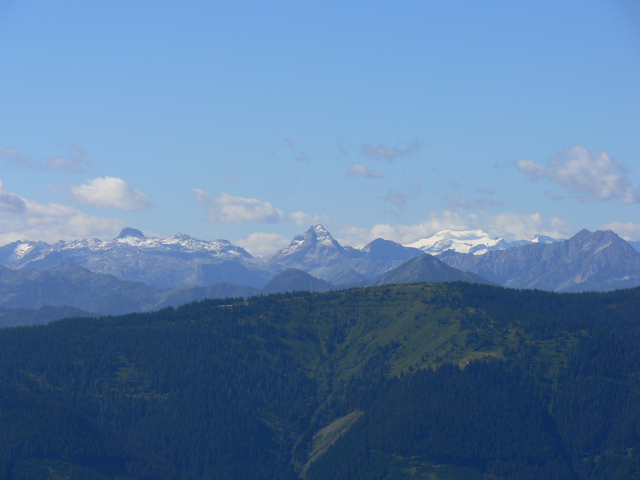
(230, 177)
(587, 176)
(28, 219)
(390, 153)
(299, 155)
(359, 170)
(76, 162)
(397, 199)
(13, 157)
(109, 193)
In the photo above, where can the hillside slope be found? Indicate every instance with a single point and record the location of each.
(450, 381)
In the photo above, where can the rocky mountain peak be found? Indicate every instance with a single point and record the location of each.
(387, 250)
(130, 232)
(317, 234)
(316, 237)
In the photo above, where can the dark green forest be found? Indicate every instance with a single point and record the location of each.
(411, 381)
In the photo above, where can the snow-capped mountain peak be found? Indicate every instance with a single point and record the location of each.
(316, 237)
(12, 254)
(537, 238)
(463, 241)
(178, 238)
(23, 248)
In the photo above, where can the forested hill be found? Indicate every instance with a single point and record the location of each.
(433, 381)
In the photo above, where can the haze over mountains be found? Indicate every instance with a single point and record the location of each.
(135, 273)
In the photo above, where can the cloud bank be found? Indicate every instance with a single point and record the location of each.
(263, 244)
(21, 218)
(512, 226)
(587, 176)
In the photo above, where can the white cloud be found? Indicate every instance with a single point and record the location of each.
(21, 218)
(10, 202)
(202, 197)
(359, 170)
(228, 208)
(110, 193)
(587, 176)
(629, 231)
(263, 244)
(304, 219)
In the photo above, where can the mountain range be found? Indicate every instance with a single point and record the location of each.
(596, 261)
(135, 273)
(180, 260)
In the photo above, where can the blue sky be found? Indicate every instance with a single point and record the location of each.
(251, 121)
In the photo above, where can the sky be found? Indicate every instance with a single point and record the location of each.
(251, 121)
